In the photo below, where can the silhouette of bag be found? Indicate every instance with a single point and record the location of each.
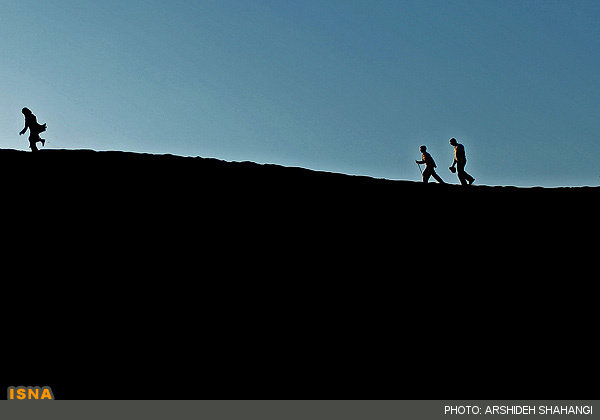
(452, 169)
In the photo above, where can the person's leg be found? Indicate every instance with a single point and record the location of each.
(468, 178)
(437, 177)
(32, 146)
(465, 178)
(426, 175)
(460, 172)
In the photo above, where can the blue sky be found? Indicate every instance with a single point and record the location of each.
(346, 86)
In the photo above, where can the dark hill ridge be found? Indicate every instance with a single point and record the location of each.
(175, 189)
(243, 280)
(108, 165)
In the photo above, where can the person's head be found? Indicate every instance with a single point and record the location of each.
(422, 149)
(453, 141)
(26, 111)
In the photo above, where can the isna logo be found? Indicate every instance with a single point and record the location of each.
(29, 393)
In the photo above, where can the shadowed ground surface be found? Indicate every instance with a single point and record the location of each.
(239, 280)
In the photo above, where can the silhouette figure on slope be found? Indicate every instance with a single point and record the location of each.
(429, 166)
(460, 160)
(34, 129)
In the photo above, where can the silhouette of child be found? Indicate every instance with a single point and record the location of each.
(34, 129)
(429, 166)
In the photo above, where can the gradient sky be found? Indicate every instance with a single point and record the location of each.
(337, 85)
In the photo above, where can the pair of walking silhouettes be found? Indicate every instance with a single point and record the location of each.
(458, 165)
(34, 129)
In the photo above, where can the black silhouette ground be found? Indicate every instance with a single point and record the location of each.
(156, 276)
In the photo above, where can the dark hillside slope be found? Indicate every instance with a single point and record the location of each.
(260, 281)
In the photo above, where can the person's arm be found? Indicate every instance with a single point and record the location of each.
(25, 129)
(420, 161)
(452, 168)
(454, 162)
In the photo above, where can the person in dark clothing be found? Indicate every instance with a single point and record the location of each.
(34, 129)
(429, 166)
(460, 160)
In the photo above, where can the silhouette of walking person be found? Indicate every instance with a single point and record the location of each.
(34, 129)
(429, 166)
(460, 160)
